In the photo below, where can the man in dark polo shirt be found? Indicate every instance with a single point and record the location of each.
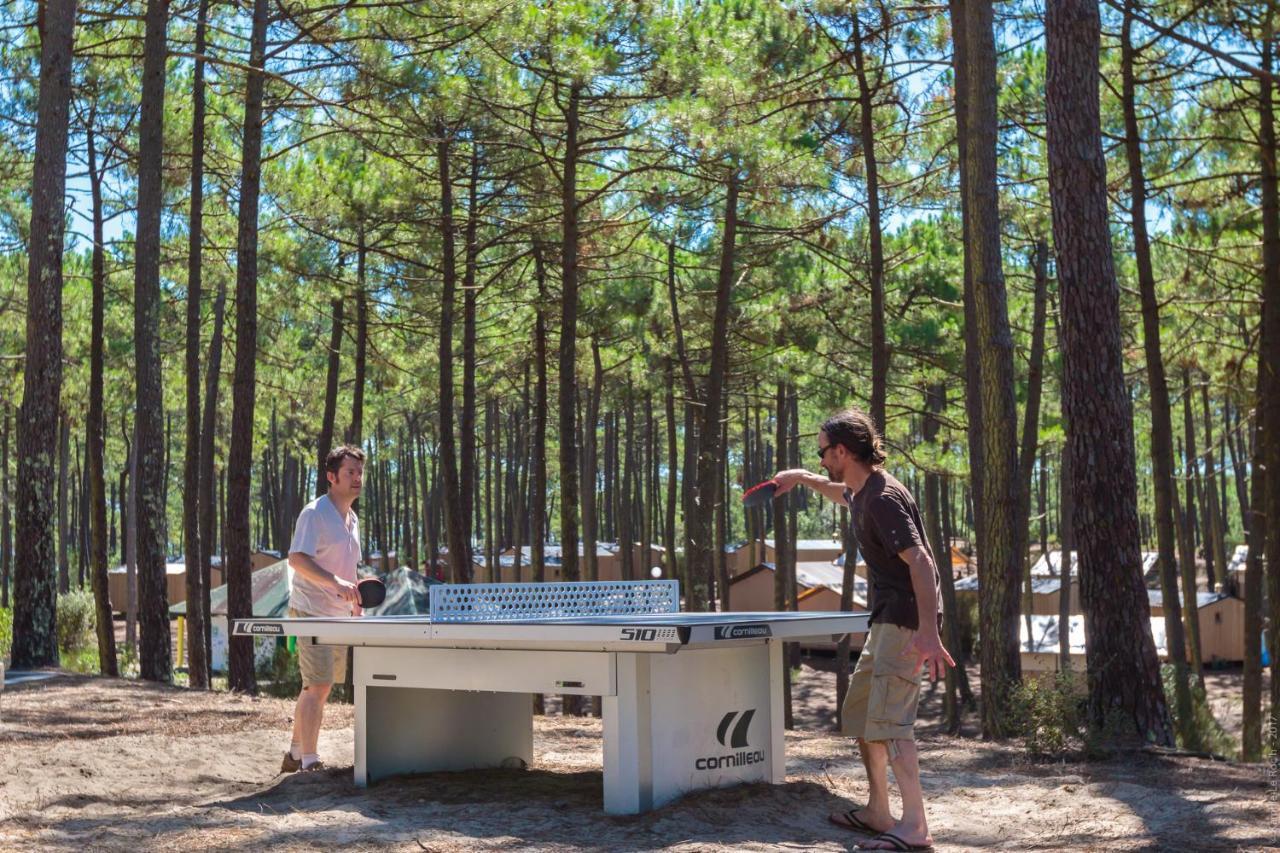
(880, 706)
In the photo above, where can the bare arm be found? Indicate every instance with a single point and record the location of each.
(927, 644)
(789, 479)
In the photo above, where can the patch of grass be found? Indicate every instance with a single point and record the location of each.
(83, 659)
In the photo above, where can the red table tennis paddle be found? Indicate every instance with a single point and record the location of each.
(759, 494)
(372, 592)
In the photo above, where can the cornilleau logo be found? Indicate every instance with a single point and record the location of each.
(739, 731)
(264, 628)
(735, 739)
(742, 632)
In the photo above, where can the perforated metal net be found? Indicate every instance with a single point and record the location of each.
(517, 602)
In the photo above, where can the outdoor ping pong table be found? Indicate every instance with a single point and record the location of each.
(689, 700)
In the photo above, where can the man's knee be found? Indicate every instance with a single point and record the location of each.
(891, 747)
(317, 692)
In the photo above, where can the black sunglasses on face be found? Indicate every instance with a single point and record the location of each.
(822, 451)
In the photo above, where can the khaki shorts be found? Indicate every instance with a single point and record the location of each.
(884, 689)
(320, 664)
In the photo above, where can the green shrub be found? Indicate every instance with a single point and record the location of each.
(75, 622)
(282, 679)
(6, 633)
(1049, 714)
(1205, 733)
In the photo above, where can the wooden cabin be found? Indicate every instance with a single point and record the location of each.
(175, 583)
(807, 550)
(819, 586)
(1045, 594)
(741, 556)
(1221, 624)
(1039, 648)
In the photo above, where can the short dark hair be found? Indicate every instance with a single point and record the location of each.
(333, 462)
(854, 429)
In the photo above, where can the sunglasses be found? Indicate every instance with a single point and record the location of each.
(822, 451)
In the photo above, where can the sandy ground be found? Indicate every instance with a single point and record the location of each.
(104, 764)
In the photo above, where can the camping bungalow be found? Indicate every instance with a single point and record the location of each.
(1048, 565)
(1045, 593)
(1039, 648)
(819, 585)
(608, 566)
(807, 550)
(1221, 624)
(175, 583)
(741, 556)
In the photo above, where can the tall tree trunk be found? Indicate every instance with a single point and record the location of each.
(723, 529)
(1123, 671)
(626, 535)
(332, 375)
(1003, 531)
(64, 528)
(1214, 525)
(591, 464)
(537, 507)
(1255, 537)
(669, 525)
(455, 512)
(783, 546)
(197, 663)
(707, 487)
(491, 457)
(34, 636)
(867, 136)
(128, 492)
(972, 366)
(1030, 445)
(1190, 574)
(467, 417)
(1157, 387)
(1268, 440)
(355, 432)
(210, 531)
(1067, 541)
(155, 655)
(569, 339)
(240, 459)
(6, 541)
(935, 494)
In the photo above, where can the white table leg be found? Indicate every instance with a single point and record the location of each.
(628, 739)
(362, 724)
(777, 715)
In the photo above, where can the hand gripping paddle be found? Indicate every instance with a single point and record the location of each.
(759, 494)
(372, 592)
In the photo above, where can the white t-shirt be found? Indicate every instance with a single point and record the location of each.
(334, 544)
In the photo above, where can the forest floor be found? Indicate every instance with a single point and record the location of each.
(107, 764)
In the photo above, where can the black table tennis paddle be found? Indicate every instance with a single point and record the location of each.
(759, 494)
(372, 592)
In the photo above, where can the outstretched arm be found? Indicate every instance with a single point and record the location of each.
(789, 479)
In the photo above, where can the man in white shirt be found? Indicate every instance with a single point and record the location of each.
(322, 582)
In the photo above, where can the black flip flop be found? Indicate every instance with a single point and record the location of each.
(896, 844)
(853, 823)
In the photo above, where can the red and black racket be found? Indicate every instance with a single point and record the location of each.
(372, 592)
(759, 494)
